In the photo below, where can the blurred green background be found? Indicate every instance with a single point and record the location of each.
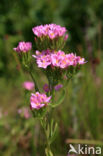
(81, 114)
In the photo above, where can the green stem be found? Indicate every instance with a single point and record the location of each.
(28, 66)
(47, 149)
(53, 93)
(36, 87)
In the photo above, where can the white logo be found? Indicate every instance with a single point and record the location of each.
(73, 150)
(84, 149)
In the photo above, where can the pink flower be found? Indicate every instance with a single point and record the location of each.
(46, 88)
(80, 60)
(50, 30)
(38, 100)
(61, 31)
(59, 59)
(71, 59)
(55, 60)
(23, 47)
(28, 85)
(62, 59)
(43, 59)
(58, 87)
(51, 34)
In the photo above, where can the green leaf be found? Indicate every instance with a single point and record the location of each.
(60, 100)
(53, 132)
(48, 131)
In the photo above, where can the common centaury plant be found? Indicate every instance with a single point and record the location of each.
(59, 67)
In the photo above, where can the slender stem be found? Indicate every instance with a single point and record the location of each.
(36, 87)
(52, 93)
(48, 149)
(28, 66)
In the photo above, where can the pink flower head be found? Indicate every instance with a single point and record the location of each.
(50, 30)
(63, 59)
(62, 31)
(28, 85)
(51, 34)
(23, 47)
(71, 59)
(43, 59)
(58, 87)
(57, 59)
(46, 88)
(38, 100)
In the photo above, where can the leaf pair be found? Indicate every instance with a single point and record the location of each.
(51, 131)
(59, 101)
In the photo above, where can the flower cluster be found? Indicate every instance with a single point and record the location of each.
(23, 47)
(38, 100)
(50, 39)
(50, 30)
(57, 59)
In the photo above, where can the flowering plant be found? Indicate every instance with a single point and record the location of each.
(59, 67)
